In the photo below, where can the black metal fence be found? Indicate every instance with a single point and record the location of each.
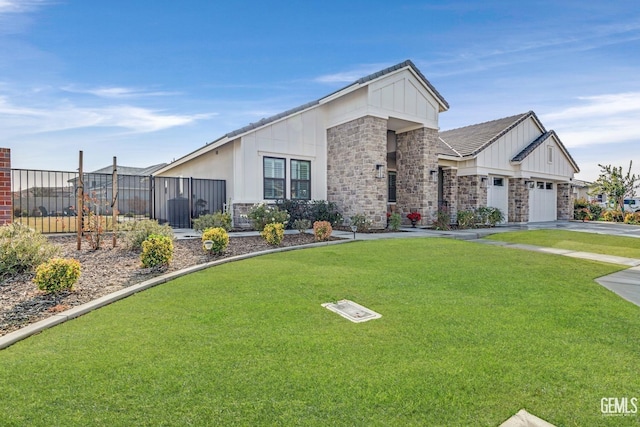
(46, 200)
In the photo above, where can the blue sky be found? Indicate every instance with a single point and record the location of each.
(149, 80)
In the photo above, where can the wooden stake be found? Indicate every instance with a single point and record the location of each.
(80, 204)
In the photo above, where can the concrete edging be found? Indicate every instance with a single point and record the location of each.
(23, 333)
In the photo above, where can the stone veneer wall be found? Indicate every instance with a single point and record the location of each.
(450, 192)
(416, 189)
(518, 200)
(471, 193)
(5, 186)
(353, 151)
(564, 203)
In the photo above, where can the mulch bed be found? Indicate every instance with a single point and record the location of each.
(105, 271)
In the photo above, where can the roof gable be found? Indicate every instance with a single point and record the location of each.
(470, 140)
(362, 82)
(518, 158)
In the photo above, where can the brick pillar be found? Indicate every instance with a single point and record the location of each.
(5, 186)
(564, 203)
(417, 176)
(354, 149)
(450, 192)
(518, 200)
(472, 193)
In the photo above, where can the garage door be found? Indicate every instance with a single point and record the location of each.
(542, 202)
(497, 194)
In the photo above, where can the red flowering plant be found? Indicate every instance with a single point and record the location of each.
(414, 216)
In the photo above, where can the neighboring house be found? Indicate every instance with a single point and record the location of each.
(133, 188)
(374, 146)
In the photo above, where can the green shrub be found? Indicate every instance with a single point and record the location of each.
(273, 233)
(22, 249)
(494, 216)
(301, 225)
(395, 220)
(442, 221)
(321, 210)
(612, 216)
(136, 232)
(157, 251)
(57, 274)
(466, 219)
(297, 210)
(632, 218)
(219, 237)
(596, 210)
(262, 214)
(361, 221)
(218, 219)
(322, 230)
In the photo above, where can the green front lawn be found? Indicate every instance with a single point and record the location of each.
(470, 334)
(628, 247)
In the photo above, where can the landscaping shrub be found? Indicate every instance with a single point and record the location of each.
(596, 210)
(218, 219)
(494, 216)
(612, 216)
(361, 221)
(395, 220)
(321, 210)
(466, 219)
(301, 225)
(322, 230)
(632, 218)
(297, 210)
(273, 233)
(442, 221)
(136, 232)
(157, 251)
(262, 214)
(219, 237)
(57, 274)
(22, 249)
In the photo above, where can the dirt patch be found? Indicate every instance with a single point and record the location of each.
(105, 271)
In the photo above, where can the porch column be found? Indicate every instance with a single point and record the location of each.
(450, 193)
(357, 168)
(472, 192)
(417, 176)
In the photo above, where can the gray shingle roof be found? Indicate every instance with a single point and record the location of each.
(130, 170)
(470, 140)
(360, 81)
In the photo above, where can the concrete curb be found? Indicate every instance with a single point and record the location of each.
(15, 336)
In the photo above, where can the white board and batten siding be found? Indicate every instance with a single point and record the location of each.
(404, 97)
(498, 155)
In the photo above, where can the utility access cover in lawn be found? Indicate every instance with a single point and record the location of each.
(352, 311)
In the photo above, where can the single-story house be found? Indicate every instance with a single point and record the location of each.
(374, 146)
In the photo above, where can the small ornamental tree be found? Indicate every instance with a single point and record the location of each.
(616, 185)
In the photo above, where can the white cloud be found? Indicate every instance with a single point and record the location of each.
(602, 119)
(116, 92)
(19, 6)
(16, 120)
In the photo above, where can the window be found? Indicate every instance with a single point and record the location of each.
(274, 178)
(550, 154)
(300, 180)
(549, 185)
(498, 182)
(540, 185)
(391, 180)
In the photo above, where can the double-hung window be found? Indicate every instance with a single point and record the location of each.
(300, 179)
(274, 178)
